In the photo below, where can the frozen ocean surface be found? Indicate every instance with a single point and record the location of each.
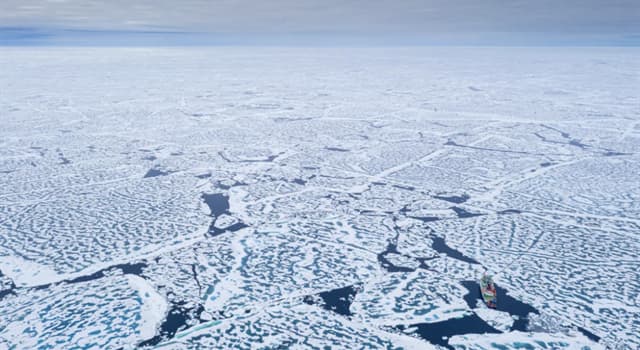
(297, 198)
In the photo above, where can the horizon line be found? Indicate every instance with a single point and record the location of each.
(83, 37)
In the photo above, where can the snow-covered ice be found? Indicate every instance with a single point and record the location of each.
(298, 198)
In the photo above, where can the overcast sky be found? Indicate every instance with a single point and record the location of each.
(323, 21)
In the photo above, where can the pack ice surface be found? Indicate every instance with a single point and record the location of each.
(298, 198)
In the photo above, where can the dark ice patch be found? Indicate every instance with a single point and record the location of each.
(392, 248)
(336, 149)
(10, 290)
(374, 212)
(177, 319)
(337, 300)
(5, 292)
(299, 182)
(463, 214)
(454, 199)
(408, 188)
(222, 186)
(440, 246)
(63, 159)
(510, 211)
(578, 144)
(214, 231)
(156, 172)
(615, 154)
(128, 268)
(425, 218)
(504, 303)
(218, 203)
(562, 133)
(588, 334)
(439, 333)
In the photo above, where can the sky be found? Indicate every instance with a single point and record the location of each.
(321, 22)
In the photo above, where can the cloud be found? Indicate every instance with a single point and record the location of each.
(425, 20)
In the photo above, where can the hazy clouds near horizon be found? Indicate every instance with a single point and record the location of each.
(413, 18)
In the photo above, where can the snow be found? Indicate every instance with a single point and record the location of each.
(25, 273)
(154, 306)
(499, 320)
(397, 174)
